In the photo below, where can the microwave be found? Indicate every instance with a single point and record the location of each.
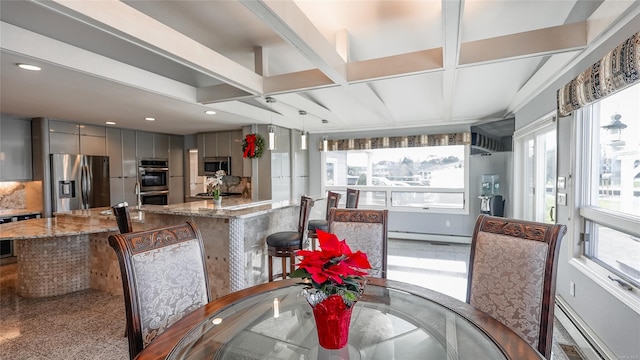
(213, 164)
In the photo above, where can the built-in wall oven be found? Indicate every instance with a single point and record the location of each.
(153, 177)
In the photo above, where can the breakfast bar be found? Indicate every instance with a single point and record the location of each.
(70, 252)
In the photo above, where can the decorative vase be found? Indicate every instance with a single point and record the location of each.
(217, 202)
(333, 318)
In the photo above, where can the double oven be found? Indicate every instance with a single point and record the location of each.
(153, 177)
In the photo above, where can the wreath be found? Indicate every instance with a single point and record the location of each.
(252, 146)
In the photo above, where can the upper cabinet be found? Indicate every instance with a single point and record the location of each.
(15, 149)
(71, 138)
(121, 148)
(225, 143)
(152, 145)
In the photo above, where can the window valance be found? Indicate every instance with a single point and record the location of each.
(614, 72)
(463, 138)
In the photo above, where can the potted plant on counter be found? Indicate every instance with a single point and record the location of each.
(213, 183)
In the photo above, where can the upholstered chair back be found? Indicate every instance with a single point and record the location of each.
(512, 275)
(164, 278)
(364, 230)
(333, 198)
(353, 198)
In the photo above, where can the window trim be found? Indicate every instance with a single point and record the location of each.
(582, 139)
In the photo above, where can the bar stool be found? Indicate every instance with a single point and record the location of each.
(333, 198)
(353, 197)
(284, 244)
(121, 212)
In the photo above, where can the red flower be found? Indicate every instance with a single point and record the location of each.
(335, 262)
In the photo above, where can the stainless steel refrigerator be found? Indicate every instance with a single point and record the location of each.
(79, 181)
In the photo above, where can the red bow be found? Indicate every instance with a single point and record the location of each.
(251, 145)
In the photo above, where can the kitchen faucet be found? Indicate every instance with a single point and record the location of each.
(136, 190)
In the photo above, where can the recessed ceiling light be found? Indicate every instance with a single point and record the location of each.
(150, 119)
(29, 67)
(210, 112)
(110, 123)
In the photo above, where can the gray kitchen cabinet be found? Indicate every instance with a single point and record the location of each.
(72, 138)
(225, 143)
(161, 146)
(15, 149)
(63, 143)
(152, 145)
(144, 144)
(121, 149)
(176, 189)
(121, 189)
(176, 155)
(123, 166)
(93, 140)
(114, 151)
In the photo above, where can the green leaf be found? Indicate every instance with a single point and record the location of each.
(300, 273)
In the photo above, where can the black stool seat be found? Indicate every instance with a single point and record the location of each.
(318, 224)
(284, 239)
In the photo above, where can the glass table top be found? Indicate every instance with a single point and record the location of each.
(386, 324)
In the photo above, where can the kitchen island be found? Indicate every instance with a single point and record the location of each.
(233, 237)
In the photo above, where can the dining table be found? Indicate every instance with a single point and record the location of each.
(391, 320)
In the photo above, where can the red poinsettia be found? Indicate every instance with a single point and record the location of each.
(334, 269)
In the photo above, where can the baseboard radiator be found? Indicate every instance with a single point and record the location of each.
(436, 238)
(587, 334)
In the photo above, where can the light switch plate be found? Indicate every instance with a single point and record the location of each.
(562, 182)
(562, 199)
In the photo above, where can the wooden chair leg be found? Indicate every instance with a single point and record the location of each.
(284, 268)
(270, 268)
(292, 263)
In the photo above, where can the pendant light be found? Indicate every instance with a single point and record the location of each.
(271, 128)
(325, 144)
(303, 135)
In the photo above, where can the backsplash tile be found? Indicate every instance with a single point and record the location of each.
(21, 195)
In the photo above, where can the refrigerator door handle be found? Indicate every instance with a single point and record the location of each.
(83, 187)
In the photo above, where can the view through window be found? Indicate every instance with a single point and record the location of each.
(430, 177)
(612, 163)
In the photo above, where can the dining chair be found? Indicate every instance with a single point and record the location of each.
(284, 244)
(364, 230)
(512, 275)
(333, 198)
(164, 277)
(123, 219)
(353, 197)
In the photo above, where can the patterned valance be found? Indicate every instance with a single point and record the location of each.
(384, 142)
(614, 72)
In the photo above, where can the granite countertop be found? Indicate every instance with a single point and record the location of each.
(232, 207)
(53, 227)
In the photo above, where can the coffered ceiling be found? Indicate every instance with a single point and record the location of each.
(361, 65)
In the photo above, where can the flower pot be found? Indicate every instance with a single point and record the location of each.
(333, 318)
(217, 202)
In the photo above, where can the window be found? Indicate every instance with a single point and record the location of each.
(611, 197)
(416, 178)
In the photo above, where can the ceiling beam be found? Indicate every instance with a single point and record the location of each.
(287, 20)
(452, 23)
(121, 20)
(546, 41)
(219, 93)
(296, 81)
(397, 65)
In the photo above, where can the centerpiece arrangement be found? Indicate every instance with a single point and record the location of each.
(335, 281)
(213, 183)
